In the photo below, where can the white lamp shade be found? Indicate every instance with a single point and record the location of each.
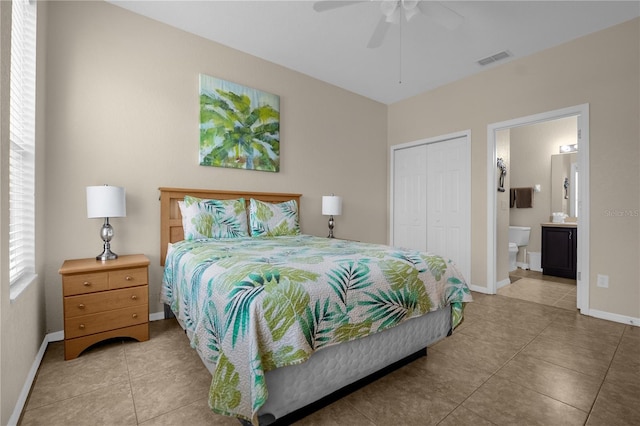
(331, 205)
(106, 201)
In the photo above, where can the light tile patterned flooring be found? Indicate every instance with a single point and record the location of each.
(545, 289)
(511, 362)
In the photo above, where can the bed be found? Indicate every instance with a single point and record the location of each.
(287, 322)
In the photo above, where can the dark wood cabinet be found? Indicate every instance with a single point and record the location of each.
(559, 251)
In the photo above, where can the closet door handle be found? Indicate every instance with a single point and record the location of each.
(570, 232)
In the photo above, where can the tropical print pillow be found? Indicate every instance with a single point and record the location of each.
(213, 218)
(273, 219)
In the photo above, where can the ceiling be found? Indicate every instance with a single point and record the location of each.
(415, 57)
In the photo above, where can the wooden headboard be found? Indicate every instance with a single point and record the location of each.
(171, 219)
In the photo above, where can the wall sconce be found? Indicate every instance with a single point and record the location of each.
(104, 202)
(331, 206)
(568, 148)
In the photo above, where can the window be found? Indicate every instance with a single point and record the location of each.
(22, 145)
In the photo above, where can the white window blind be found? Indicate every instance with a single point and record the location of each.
(22, 142)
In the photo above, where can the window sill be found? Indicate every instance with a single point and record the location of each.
(21, 285)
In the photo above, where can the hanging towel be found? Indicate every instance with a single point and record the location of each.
(524, 197)
(512, 197)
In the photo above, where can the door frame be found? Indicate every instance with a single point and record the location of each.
(467, 219)
(582, 114)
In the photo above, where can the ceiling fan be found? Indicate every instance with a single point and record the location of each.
(392, 12)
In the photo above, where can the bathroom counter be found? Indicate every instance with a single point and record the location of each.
(561, 225)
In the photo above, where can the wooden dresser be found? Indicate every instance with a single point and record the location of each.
(103, 300)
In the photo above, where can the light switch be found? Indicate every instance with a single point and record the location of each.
(603, 281)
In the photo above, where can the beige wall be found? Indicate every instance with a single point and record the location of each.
(22, 321)
(122, 109)
(603, 70)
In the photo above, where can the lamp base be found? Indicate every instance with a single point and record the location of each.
(106, 233)
(107, 254)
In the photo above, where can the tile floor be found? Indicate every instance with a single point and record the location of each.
(545, 289)
(511, 362)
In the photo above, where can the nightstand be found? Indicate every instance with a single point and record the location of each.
(103, 300)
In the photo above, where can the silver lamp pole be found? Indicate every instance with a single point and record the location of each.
(106, 233)
(331, 222)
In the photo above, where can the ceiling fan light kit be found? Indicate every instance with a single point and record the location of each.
(392, 11)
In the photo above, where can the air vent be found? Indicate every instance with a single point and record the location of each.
(494, 58)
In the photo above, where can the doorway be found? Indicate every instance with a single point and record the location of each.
(582, 114)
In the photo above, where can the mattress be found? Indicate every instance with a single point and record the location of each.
(335, 367)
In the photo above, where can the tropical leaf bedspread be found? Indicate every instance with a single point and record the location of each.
(250, 305)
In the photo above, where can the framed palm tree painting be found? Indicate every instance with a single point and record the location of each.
(239, 126)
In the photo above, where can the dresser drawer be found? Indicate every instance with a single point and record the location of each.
(103, 321)
(85, 283)
(105, 301)
(127, 278)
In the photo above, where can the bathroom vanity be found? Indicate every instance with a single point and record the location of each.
(559, 249)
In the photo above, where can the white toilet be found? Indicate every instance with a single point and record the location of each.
(518, 237)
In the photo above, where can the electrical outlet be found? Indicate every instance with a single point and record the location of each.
(603, 281)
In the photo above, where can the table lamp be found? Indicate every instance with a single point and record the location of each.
(331, 206)
(104, 202)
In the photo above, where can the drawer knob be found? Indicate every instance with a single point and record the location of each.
(81, 326)
(81, 306)
(134, 316)
(86, 283)
(134, 297)
(128, 278)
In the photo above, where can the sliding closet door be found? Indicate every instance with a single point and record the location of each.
(410, 198)
(448, 181)
(431, 198)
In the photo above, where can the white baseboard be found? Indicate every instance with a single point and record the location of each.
(157, 316)
(55, 336)
(623, 319)
(478, 289)
(24, 393)
(503, 283)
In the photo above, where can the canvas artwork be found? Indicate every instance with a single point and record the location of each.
(239, 126)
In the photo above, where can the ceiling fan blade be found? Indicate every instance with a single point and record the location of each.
(324, 5)
(442, 14)
(379, 33)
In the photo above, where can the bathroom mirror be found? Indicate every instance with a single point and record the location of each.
(564, 183)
